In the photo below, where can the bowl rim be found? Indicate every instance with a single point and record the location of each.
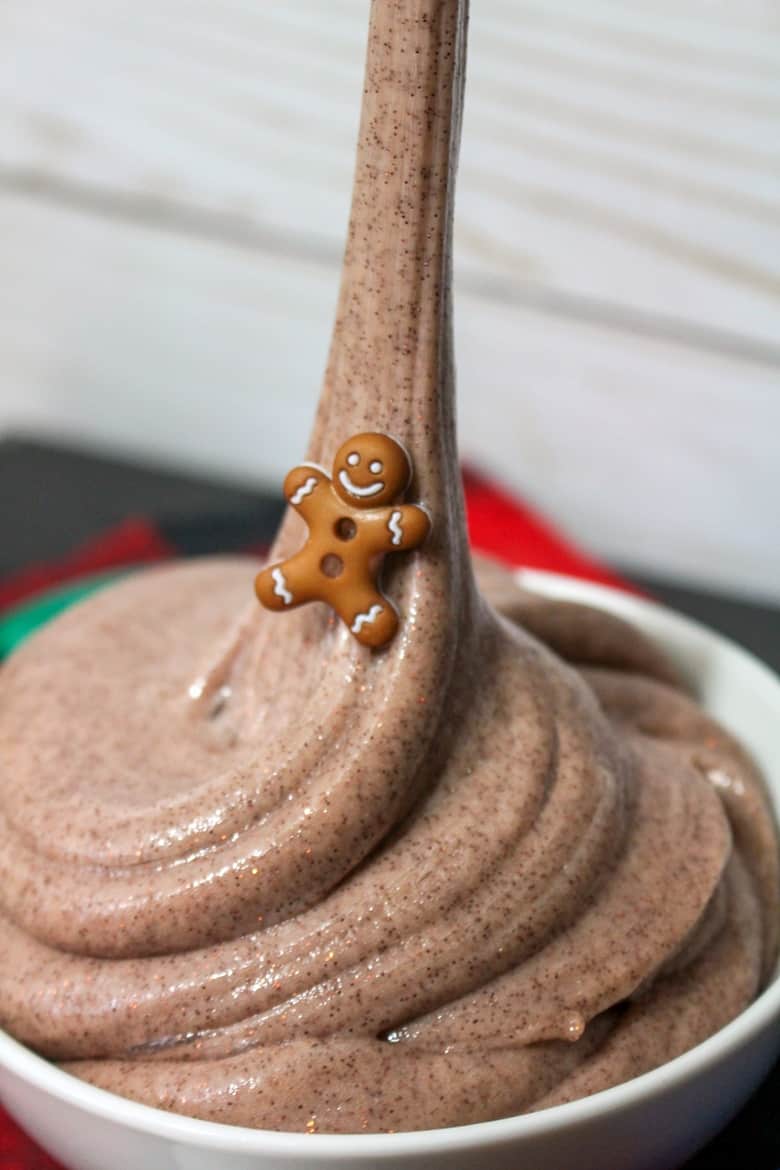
(330, 1148)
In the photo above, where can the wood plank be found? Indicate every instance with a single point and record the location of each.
(210, 355)
(615, 154)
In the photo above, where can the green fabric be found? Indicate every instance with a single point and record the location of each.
(22, 620)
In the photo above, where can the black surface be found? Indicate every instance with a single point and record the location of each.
(53, 498)
(754, 625)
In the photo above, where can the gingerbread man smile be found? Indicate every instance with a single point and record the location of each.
(376, 467)
(353, 488)
(351, 528)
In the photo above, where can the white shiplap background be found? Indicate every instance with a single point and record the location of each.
(174, 189)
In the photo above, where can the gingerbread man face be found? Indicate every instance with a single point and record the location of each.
(371, 470)
(354, 520)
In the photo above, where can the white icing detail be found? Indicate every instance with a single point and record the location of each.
(375, 467)
(353, 459)
(280, 586)
(365, 619)
(394, 524)
(304, 490)
(355, 490)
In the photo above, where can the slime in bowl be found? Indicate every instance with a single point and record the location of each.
(256, 872)
(575, 880)
(652, 1122)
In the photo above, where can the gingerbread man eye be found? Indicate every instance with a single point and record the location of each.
(353, 459)
(375, 467)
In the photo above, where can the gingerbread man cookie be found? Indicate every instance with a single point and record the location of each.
(354, 520)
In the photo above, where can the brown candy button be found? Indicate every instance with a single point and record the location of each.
(354, 519)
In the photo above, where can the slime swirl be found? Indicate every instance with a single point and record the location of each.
(255, 872)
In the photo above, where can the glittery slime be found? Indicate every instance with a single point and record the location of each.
(253, 871)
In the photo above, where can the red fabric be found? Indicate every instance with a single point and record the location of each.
(501, 525)
(498, 524)
(17, 1152)
(133, 542)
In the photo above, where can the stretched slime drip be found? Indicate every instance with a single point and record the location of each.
(254, 872)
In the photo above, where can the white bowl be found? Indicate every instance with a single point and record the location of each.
(650, 1123)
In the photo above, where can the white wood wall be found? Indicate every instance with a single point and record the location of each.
(174, 189)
